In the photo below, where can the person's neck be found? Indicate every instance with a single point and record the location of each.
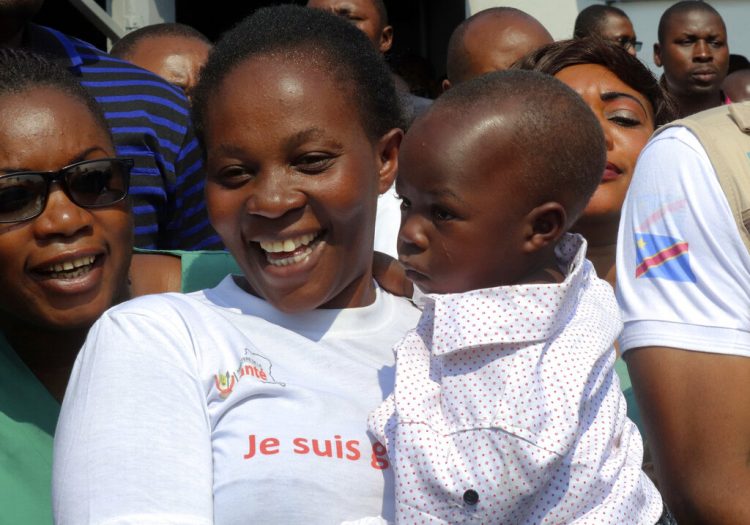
(602, 247)
(545, 270)
(692, 104)
(48, 354)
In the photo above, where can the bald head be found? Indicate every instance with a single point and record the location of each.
(492, 40)
(737, 85)
(555, 140)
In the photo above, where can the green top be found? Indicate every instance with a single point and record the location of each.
(28, 415)
(627, 390)
(201, 269)
(28, 412)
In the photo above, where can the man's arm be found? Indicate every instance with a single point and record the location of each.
(696, 411)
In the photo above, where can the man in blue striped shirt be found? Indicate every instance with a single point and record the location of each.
(150, 122)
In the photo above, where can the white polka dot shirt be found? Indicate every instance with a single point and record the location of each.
(507, 409)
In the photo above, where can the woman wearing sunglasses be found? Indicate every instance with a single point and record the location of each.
(66, 236)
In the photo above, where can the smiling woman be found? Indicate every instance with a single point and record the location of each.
(66, 231)
(66, 235)
(260, 387)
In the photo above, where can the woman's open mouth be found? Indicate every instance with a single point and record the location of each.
(290, 251)
(69, 269)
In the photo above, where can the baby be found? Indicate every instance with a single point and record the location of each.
(506, 408)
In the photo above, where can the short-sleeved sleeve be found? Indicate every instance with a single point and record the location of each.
(133, 374)
(683, 273)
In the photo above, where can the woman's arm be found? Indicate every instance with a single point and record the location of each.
(390, 275)
(695, 409)
(155, 273)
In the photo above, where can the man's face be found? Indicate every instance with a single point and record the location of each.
(364, 15)
(694, 53)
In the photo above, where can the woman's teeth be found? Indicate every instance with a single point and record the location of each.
(286, 261)
(70, 269)
(288, 246)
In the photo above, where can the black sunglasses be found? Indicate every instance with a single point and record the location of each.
(89, 184)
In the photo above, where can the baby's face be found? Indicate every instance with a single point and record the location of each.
(461, 214)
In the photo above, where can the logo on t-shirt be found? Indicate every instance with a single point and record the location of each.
(662, 257)
(252, 365)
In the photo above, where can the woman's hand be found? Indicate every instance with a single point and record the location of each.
(390, 275)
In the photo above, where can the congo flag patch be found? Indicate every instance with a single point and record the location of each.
(662, 257)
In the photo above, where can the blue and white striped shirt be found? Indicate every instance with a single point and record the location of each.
(150, 122)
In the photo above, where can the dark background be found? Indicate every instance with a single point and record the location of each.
(421, 27)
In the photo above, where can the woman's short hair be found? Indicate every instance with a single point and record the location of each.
(310, 38)
(22, 70)
(555, 57)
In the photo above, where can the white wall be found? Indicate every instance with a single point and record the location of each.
(134, 14)
(558, 16)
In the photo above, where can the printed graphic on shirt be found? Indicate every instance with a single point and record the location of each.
(252, 365)
(335, 447)
(672, 208)
(662, 257)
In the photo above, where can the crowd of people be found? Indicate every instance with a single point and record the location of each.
(263, 279)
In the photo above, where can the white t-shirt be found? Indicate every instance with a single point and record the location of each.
(215, 406)
(507, 409)
(388, 222)
(683, 273)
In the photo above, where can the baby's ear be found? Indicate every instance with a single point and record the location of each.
(388, 147)
(546, 224)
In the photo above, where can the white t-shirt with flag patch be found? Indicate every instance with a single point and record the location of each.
(683, 273)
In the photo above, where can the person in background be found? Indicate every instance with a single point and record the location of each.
(263, 384)
(736, 86)
(693, 51)
(491, 40)
(683, 284)
(608, 23)
(369, 16)
(175, 52)
(150, 122)
(506, 408)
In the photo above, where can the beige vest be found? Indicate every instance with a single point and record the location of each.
(724, 132)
